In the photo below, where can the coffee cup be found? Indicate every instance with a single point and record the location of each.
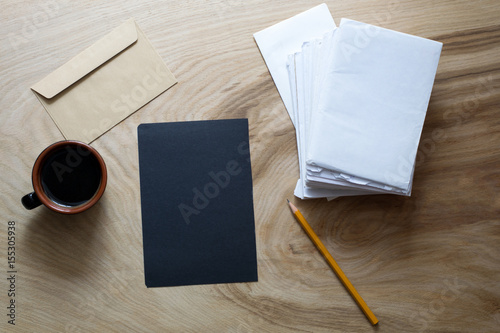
(68, 177)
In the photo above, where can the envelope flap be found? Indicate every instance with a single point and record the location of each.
(88, 60)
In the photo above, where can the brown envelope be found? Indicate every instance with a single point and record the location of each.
(104, 84)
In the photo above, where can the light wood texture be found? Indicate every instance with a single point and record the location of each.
(333, 264)
(425, 263)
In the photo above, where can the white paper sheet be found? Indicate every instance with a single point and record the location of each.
(280, 40)
(304, 70)
(306, 74)
(357, 96)
(373, 104)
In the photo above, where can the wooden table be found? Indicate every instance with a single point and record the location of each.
(425, 263)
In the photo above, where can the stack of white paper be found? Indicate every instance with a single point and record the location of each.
(358, 95)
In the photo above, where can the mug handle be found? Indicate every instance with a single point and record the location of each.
(31, 201)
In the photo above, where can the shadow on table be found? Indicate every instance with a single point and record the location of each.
(64, 245)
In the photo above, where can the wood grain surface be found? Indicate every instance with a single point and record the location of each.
(425, 263)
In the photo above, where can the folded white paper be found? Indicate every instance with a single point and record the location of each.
(373, 104)
(305, 73)
(357, 96)
(280, 40)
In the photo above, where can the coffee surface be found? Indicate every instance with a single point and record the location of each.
(71, 176)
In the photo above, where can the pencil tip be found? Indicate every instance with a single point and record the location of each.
(287, 200)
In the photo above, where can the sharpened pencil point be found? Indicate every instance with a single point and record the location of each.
(287, 200)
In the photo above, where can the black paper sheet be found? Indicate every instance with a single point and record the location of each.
(197, 203)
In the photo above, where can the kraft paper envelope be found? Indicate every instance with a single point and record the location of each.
(104, 84)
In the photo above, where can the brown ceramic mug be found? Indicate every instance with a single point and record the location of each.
(68, 177)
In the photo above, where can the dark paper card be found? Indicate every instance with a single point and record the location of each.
(197, 203)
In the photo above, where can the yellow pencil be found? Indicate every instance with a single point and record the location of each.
(307, 228)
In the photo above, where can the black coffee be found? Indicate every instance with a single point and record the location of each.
(71, 176)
